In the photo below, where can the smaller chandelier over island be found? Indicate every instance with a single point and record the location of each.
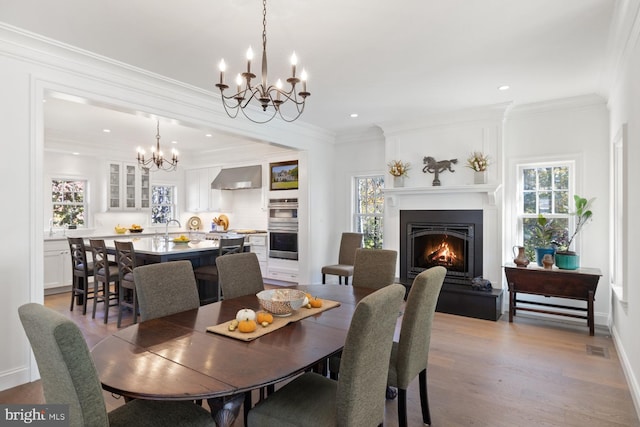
(268, 97)
(157, 159)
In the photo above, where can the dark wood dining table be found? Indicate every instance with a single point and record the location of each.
(175, 358)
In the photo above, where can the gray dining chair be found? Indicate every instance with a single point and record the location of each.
(239, 274)
(165, 288)
(349, 242)
(69, 377)
(358, 397)
(374, 268)
(410, 354)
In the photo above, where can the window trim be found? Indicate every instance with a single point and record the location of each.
(175, 203)
(354, 201)
(85, 203)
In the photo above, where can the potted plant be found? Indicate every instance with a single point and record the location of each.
(565, 258)
(545, 234)
(479, 163)
(398, 169)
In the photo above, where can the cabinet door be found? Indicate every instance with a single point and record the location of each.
(56, 270)
(130, 178)
(115, 182)
(145, 188)
(192, 184)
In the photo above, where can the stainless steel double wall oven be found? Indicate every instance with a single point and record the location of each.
(283, 228)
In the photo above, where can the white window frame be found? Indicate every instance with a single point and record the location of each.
(355, 216)
(84, 204)
(174, 205)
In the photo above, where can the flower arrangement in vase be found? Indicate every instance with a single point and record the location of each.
(398, 169)
(478, 162)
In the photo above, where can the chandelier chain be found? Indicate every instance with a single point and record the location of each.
(264, 25)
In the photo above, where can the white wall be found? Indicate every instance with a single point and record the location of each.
(624, 107)
(568, 129)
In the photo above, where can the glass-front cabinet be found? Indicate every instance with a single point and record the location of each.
(129, 187)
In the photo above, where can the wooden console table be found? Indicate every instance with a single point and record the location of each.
(577, 284)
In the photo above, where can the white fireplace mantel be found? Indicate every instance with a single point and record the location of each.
(490, 189)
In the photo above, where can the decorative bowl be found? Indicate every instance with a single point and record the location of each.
(180, 241)
(136, 230)
(120, 230)
(281, 302)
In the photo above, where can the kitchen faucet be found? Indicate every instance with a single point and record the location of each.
(50, 227)
(166, 228)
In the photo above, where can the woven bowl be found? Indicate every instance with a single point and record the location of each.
(281, 302)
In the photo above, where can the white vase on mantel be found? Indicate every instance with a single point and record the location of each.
(398, 181)
(480, 177)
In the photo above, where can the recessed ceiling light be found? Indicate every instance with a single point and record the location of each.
(106, 130)
(174, 142)
(75, 153)
(503, 87)
(353, 115)
(208, 135)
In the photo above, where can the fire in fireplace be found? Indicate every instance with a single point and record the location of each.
(449, 238)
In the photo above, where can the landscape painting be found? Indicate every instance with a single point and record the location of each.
(284, 175)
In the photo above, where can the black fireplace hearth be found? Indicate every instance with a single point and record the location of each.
(452, 239)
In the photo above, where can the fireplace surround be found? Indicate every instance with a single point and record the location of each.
(454, 240)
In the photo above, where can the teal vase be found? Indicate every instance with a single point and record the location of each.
(541, 252)
(567, 261)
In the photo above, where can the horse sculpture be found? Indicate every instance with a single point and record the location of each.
(435, 167)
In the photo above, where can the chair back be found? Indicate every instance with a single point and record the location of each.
(374, 268)
(126, 259)
(360, 396)
(415, 333)
(101, 261)
(165, 288)
(348, 245)
(229, 246)
(239, 274)
(66, 368)
(79, 263)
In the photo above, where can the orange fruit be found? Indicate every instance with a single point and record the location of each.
(315, 302)
(264, 316)
(247, 326)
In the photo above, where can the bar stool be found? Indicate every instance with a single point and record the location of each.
(105, 274)
(126, 258)
(209, 273)
(81, 271)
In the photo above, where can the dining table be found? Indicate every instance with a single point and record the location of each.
(176, 358)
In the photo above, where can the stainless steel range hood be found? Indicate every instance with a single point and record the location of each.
(238, 178)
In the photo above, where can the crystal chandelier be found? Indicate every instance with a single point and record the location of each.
(157, 158)
(269, 97)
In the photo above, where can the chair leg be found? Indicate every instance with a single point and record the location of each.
(402, 408)
(96, 293)
(74, 286)
(346, 280)
(247, 406)
(134, 300)
(120, 301)
(424, 400)
(340, 280)
(324, 279)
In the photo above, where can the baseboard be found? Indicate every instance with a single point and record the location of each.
(632, 381)
(14, 378)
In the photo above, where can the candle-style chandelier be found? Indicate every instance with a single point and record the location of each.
(266, 96)
(157, 158)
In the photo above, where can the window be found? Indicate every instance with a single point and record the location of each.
(544, 189)
(68, 202)
(163, 203)
(369, 209)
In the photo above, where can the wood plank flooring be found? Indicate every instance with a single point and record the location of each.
(481, 373)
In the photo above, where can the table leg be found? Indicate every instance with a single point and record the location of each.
(512, 302)
(590, 317)
(225, 410)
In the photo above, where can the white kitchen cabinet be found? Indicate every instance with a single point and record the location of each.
(259, 247)
(200, 197)
(282, 270)
(57, 264)
(129, 187)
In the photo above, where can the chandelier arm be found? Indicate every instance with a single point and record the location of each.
(244, 112)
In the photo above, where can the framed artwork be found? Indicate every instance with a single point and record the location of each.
(284, 175)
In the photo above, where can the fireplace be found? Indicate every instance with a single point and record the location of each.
(449, 238)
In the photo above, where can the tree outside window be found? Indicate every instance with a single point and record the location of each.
(545, 189)
(163, 205)
(68, 202)
(369, 210)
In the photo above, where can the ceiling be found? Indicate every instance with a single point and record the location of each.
(386, 61)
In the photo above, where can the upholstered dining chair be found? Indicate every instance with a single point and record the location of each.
(81, 270)
(409, 356)
(349, 242)
(70, 377)
(374, 268)
(357, 398)
(239, 274)
(104, 273)
(165, 288)
(127, 297)
(209, 273)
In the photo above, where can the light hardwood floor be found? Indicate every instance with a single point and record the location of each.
(481, 373)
